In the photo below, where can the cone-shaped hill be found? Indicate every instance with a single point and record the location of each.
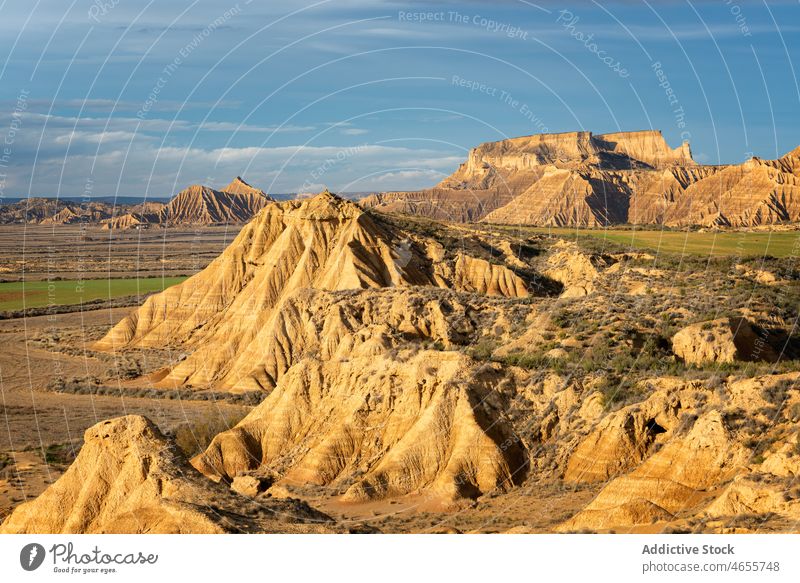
(200, 205)
(248, 316)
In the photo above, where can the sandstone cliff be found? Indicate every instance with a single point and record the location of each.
(723, 341)
(581, 179)
(400, 426)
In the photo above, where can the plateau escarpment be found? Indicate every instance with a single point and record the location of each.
(582, 179)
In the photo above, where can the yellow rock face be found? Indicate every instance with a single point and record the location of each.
(247, 315)
(425, 422)
(572, 268)
(675, 478)
(128, 478)
(722, 340)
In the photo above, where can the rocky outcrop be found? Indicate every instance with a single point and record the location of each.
(677, 477)
(761, 276)
(480, 276)
(128, 478)
(624, 439)
(568, 265)
(759, 494)
(390, 427)
(724, 340)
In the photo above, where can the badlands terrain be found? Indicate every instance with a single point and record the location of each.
(347, 368)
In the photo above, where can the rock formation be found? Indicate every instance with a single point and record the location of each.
(572, 268)
(403, 363)
(581, 179)
(685, 452)
(247, 316)
(723, 340)
(675, 478)
(422, 422)
(128, 478)
(199, 205)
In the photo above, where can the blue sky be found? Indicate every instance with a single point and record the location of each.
(143, 98)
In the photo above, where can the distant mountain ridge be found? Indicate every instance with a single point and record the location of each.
(196, 205)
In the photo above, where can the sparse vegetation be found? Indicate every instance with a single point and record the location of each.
(193, 438)
(94, 386)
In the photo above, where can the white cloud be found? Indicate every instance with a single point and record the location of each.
(137, 163)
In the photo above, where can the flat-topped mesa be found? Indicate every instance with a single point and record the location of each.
(495, 174)
(620, 150)
(536, 150)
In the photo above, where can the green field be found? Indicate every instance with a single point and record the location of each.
(37, 294)
(720, 244)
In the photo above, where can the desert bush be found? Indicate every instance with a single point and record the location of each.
(482, 350)
(618, 391)
(92, 386)
(776, 394)
(194, 437)
(751, 521)
(60, 454)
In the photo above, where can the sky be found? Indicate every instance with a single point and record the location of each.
(124, 98)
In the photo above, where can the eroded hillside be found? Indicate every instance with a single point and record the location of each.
(478, 379)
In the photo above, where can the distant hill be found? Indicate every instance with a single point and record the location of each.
(51, 211)
(200, 205)
(195, 205)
